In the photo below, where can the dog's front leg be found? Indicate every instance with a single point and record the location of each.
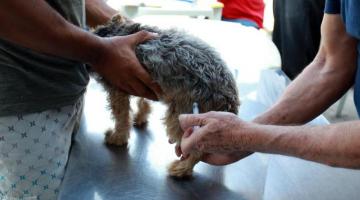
(144, 109)
(120, 109)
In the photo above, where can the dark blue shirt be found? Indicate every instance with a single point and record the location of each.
(350, 12)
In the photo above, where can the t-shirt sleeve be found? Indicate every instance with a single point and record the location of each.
(332, 7)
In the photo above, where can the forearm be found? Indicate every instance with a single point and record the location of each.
(98, 12)
(309, 95)
(324, 81)
(38, 26)
(334, 145)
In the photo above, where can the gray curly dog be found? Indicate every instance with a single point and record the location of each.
(187, 69)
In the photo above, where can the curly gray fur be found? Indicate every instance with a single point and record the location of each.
(187, 69)
(183, 65)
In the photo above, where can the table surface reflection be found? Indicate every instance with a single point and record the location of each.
(96, 171)
(138, 171)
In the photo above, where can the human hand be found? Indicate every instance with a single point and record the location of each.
(218, 136)
(118, 64)
(214, 158)
(224, 159)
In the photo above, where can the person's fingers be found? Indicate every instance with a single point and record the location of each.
(190, 141)
(138, 70)
(171, 141)
(187, 146)
(143, 87)
(188, 132)
(141, 36)
(126, 88)
(149, 94)
(217, 159)
(223, 159)
(190, 120)
(142, 90)
(178, 150)
(145, 77)
(135, 86)
(156, 89)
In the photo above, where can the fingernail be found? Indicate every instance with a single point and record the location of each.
(154, 34)
(153, 97)
(183, 157)
(188, 132)
(182, 116)
(178, 153)
(158, 96)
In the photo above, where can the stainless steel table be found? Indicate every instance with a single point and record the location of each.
(138, 171)
(99, 172)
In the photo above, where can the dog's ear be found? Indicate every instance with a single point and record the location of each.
(118, 19)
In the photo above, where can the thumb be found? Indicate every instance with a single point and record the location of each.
(190, 120)
(188, 143)
(141, 37)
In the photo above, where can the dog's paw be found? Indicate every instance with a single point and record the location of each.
(140, 121)
(115, 139)
(180, 169)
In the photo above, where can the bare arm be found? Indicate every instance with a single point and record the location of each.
(98, 12)
(335, 145)
(225, 134)
(38, 26)
(324, 81)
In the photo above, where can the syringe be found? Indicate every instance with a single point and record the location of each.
(195, 110)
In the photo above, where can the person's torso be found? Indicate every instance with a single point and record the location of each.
(244, 9)
(72, 10)
(31, 81)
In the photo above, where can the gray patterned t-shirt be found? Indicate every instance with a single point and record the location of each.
(32, 81)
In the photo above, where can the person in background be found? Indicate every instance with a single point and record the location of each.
(246, 12)
(297, 32)
(43, 51)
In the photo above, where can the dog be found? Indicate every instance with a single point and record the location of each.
(187, 69)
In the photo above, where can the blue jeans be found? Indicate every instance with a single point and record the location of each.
(245, 22)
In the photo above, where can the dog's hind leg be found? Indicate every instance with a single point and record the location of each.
(184, 168)
(179, 168)
(120, 107)
(173, 129)
(143, 112)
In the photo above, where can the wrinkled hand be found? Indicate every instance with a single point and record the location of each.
(118, 64)
(216, 137)
(224, 159)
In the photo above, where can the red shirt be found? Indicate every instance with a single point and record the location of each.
(244, 9)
